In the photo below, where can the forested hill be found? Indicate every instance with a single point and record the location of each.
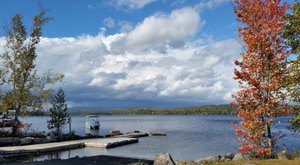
(201, 110)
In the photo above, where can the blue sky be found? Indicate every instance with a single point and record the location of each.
(78, 17)
(137, 53)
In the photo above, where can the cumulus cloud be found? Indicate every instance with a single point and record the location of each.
(125, 26)
(161, 31)
(94, 74)
(130, 68)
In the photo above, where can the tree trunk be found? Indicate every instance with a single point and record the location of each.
(15, 129)
(270, 143)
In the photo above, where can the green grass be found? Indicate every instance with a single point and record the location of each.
(260, 162)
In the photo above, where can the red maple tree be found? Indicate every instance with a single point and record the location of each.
(261, 72)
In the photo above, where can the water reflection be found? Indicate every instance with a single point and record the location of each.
(188, 137)
(92, 132)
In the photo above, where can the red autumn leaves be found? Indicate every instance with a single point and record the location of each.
(260, 73)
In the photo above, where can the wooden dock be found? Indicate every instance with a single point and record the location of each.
(58, 146)
(134, 135)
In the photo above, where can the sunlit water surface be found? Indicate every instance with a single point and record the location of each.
(188, 137)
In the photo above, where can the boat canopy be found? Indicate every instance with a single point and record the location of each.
(92, 116)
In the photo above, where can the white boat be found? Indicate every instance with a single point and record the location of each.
(92, 122)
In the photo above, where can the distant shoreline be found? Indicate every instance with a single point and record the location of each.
(200, 110)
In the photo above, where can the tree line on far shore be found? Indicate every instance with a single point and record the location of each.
(225, 109)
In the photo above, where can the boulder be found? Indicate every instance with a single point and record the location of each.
(158, 133)
(222, 159)
(229, 156)
(209, 159)
(240, 156)
(282, 155)
(52, 138)
(115, 133)
(26, 140)
(163, 159)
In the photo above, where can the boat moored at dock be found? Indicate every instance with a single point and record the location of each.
(92, 122)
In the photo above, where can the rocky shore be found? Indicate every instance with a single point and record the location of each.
(166, 159)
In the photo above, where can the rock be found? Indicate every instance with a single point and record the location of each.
(26, 140)
(135, 131)
(247, 157)
(163, 159)
(115, 133)
(240, 156)
(227, 160)
(52, 138)
(209, 159)
(180, 162)
(229, 155)
(282, 155)
(158, 133)
(222, 159)
(40, 140)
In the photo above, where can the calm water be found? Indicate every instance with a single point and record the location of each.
(188, 137)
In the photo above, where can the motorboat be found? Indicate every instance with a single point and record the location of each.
(92, 122)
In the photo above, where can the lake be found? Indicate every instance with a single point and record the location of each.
(188, 137)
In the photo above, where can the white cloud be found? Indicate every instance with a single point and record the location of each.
(125, 26)
(94, 74)
(161, 31)
(131, 4)
(197, 71)
(109, 22)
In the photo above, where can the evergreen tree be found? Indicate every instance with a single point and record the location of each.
(58, 112)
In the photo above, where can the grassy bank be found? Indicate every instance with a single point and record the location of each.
(260, 162)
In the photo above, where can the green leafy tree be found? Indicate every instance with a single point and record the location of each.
(292, 35)
(58, 112)
(26, 89)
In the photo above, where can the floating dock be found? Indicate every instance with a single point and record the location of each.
(58, 146)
